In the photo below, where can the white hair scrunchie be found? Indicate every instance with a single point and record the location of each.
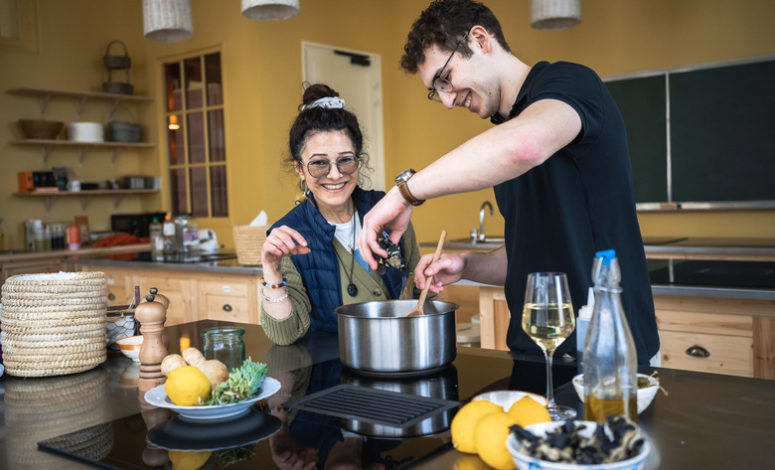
(328, 102)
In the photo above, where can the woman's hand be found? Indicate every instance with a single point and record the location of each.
(282, 241)
(447, 270)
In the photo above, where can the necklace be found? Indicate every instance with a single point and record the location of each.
(352, 290)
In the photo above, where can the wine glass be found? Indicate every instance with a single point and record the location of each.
(547, 318)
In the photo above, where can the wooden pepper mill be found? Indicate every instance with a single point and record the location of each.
(152, 314)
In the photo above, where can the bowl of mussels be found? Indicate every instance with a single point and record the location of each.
(570, 445)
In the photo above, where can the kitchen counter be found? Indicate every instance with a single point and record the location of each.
(97, 418)
(220, 263)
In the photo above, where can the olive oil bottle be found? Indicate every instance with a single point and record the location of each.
(610, 359)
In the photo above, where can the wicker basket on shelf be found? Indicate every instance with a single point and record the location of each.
(53, 323)
(248, 241)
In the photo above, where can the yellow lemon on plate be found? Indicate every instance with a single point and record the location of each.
(490, 434)
(188, 460)
(186, 385)
(469, 462)
(528, 411)
(462, 427)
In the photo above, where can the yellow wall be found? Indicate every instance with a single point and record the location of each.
(262, 74)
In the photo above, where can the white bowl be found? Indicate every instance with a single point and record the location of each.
(130, 347)
(506, 398)
(522, 460)
(645, 395)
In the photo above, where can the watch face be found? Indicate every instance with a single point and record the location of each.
(404, 175)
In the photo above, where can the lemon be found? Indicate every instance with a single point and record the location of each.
(188, 460)
(462, 427)
(186, 385)
(528, 411)
(490, 434)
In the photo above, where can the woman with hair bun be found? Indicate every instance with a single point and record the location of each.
(310, 259)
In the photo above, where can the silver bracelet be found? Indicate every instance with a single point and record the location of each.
(274, 300)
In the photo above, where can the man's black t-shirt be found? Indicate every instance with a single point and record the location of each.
(581, 200)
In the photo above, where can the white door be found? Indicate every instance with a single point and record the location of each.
(356, 76)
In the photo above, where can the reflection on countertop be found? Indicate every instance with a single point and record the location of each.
(225, 262)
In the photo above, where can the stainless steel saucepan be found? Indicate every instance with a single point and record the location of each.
(376, 338)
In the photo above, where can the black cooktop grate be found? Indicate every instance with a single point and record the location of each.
(372, 405)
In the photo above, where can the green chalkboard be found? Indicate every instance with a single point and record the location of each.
(642, 104)
(723, 133)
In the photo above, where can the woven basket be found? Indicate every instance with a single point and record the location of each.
(53, 324)
(248, 241)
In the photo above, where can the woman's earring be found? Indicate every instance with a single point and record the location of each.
(304, 192)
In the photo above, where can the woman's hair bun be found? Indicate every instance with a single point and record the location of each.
(316, 91)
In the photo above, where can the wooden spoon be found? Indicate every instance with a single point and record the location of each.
(418, 309)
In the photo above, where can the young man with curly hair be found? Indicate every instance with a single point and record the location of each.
(557, 158)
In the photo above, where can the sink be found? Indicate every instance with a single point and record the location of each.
(470, 242)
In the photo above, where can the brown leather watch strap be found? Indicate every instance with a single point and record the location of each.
(404, 189)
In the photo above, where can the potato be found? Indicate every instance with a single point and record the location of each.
(193, 357)
(172, 362)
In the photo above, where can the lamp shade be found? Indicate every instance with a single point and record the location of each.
(167, 20)
(554, 14)
(270, 9)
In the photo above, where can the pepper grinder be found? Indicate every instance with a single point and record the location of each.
(151, 314)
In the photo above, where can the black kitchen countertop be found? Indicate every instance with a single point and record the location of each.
(96, 419)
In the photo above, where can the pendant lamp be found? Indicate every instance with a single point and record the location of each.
(167, 20)
(554, 14)
(270, 9)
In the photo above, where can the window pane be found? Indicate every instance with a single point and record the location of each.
(199, 192)
(219, 202)
(177, 151)
(172, 82)
(178, 189)
(213, 78)
(215, 128)
(193, 82)
(196, 138)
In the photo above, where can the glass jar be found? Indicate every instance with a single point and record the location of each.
(226, 344)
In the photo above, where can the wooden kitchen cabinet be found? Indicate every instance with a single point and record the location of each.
(194, 295)
(724, 336)
(703, 334)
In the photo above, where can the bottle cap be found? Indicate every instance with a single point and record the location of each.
(606, 255)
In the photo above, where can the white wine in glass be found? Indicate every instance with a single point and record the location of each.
(548, 319)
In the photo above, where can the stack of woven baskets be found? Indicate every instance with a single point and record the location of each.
(53, 324)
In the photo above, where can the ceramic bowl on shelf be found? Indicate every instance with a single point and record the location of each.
(130, 347)
(40, 128)
(645, 394)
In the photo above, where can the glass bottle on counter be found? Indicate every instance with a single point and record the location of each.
(610, 358)
(157, 240)
(168, 233)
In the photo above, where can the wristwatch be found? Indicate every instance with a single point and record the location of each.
(401, 181)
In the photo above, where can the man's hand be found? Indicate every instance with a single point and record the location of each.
(447, 270)
(392, 212)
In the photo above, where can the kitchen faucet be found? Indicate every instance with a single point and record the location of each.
(481, 236)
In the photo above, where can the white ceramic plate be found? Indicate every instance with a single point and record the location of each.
(158, 397)
(506, 398)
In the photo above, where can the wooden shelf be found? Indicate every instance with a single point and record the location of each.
(79, 97)
(114, 147)
(89, 192)
(78, 94)
(86, 196)
(74, 143)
